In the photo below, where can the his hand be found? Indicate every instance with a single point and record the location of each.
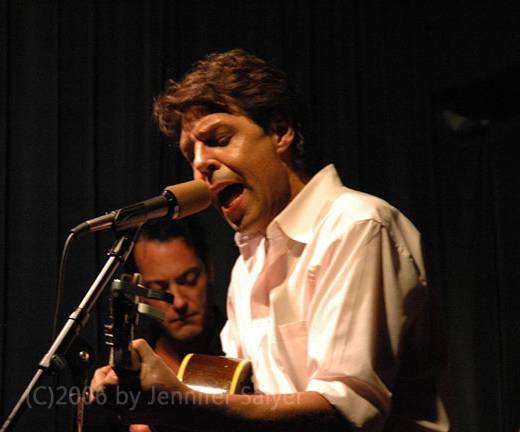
(141, 407)
(103, 377)
(154, 373)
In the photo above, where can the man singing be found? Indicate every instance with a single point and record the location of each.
(328, 298)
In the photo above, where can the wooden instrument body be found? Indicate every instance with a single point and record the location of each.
(216, 374)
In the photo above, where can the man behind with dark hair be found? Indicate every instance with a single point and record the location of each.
(328, 298)
(172, 256)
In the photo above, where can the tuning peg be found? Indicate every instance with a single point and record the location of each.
(150, 311)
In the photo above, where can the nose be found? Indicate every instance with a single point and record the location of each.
(179, 301)
(204, 161)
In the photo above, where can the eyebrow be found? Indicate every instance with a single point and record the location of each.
(212, 127)
(198, 130)
(204, 131)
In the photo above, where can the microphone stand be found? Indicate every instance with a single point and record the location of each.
(54, 360)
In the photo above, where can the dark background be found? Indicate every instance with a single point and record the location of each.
(416, 102)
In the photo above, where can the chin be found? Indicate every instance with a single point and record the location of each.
(186, 334)
(245, 225)
(235, 225)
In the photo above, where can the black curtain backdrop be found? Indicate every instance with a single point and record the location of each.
(413, 102)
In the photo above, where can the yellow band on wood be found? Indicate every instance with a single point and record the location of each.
(183, 366)
(236, 376)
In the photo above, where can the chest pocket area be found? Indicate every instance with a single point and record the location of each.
(290, 352)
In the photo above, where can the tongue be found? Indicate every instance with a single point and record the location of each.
(228, 195)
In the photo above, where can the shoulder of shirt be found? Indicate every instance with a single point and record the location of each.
(352, 206)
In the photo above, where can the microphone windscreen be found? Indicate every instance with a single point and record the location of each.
(192, 197)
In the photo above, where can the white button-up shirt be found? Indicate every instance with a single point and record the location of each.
(334, 300)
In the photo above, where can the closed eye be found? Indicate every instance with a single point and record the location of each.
(218, 136)
(190, 277)
(216, 143)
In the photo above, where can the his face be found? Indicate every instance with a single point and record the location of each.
(242, 164)
(173, 266)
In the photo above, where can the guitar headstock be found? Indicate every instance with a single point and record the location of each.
(124, 311)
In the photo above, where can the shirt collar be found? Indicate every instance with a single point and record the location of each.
(299, 219)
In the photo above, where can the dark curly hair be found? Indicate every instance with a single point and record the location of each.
(164, 230)
(188, 229)
(239, 82)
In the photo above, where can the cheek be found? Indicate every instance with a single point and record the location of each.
(198, 297)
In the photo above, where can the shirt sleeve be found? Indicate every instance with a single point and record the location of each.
(368, 290)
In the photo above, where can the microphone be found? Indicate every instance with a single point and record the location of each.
(175, 202)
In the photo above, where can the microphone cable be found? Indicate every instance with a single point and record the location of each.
(61, 282)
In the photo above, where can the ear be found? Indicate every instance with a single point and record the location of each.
(284, 140)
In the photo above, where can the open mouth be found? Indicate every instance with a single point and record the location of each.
(227, 195)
